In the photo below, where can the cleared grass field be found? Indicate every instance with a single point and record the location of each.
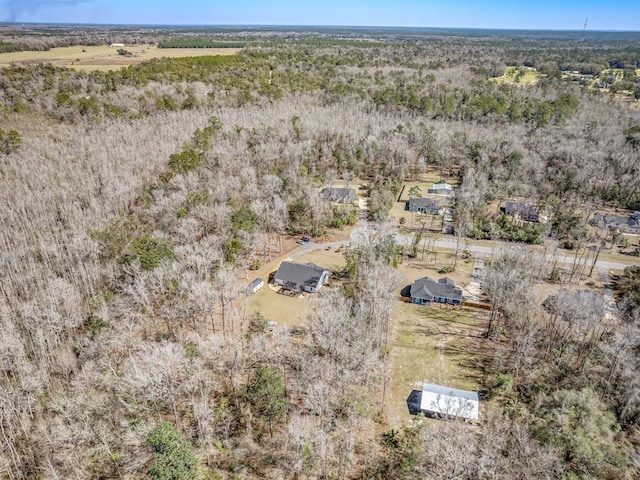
(436, 345)
(530, 76)
(104, 57)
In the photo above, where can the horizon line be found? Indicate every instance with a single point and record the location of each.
(257, 25)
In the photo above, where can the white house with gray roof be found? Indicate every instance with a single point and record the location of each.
(630, 224)
(426, 291)
(424, 205)
(301, 277)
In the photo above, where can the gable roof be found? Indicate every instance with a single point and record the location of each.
(424, 203)
(300, 273)
(449, 401)
(332, 194)
(427, 288)
(610, 221)
(255, 283)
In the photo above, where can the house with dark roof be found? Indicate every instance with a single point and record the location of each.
(342, 195)
(524, 211)
(630, 224)
(440, 189)
(301, 277)
(423, 205)
(442, 402)
(426, 291)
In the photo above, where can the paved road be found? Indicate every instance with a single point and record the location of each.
(449, 242)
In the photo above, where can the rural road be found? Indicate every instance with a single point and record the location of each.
(449, 242)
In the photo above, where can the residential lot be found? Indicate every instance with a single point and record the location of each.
(433, 344)
(293, 310)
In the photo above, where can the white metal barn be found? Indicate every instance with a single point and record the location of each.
(256, 285)
(439, 401)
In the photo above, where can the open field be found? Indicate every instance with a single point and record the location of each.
(436, 345)
(105, 57)
(530, 76)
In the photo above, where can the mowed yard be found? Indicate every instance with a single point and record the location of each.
(436, 345)
(433, 343)
(424, 183)
(104, 57)
(293, 310)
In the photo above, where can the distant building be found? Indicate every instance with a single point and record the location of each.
(426, 291)
(117, 45)
(254, 286)
(630, 224)
(423, 205)
(301, 277)
(441, 189)
(441, 402)
(342, 195)
(524, 211)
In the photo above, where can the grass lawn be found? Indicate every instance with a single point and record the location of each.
(425, 182)
(286, 310)
(436, 345)
(105, 57)
(530, 76)
(411, 270)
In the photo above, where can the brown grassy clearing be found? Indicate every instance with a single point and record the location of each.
(105, 57)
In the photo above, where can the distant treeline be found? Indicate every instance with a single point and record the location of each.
(11, 47)
(199, 43)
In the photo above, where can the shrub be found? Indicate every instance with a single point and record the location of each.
(174, 459)
(185, 161)
(9, 141)
(150, 251)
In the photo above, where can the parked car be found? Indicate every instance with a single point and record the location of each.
(303, 240)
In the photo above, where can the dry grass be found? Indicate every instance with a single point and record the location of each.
(425, 182)
(286, 310)
(531, 76)
(106, 58)
(432, 344)
(436, 345)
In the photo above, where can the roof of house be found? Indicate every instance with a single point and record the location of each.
(449, 401)
(632, 221)
(300, 273)
(333, 194)
(522, 208)
(257, 282)
(428, 203)
(426, 288)
(441, 186)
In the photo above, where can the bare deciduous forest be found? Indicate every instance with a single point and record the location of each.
(134, 201)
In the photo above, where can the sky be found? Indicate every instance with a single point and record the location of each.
(513, 14)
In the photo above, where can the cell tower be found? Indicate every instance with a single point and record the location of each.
(585, 26)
